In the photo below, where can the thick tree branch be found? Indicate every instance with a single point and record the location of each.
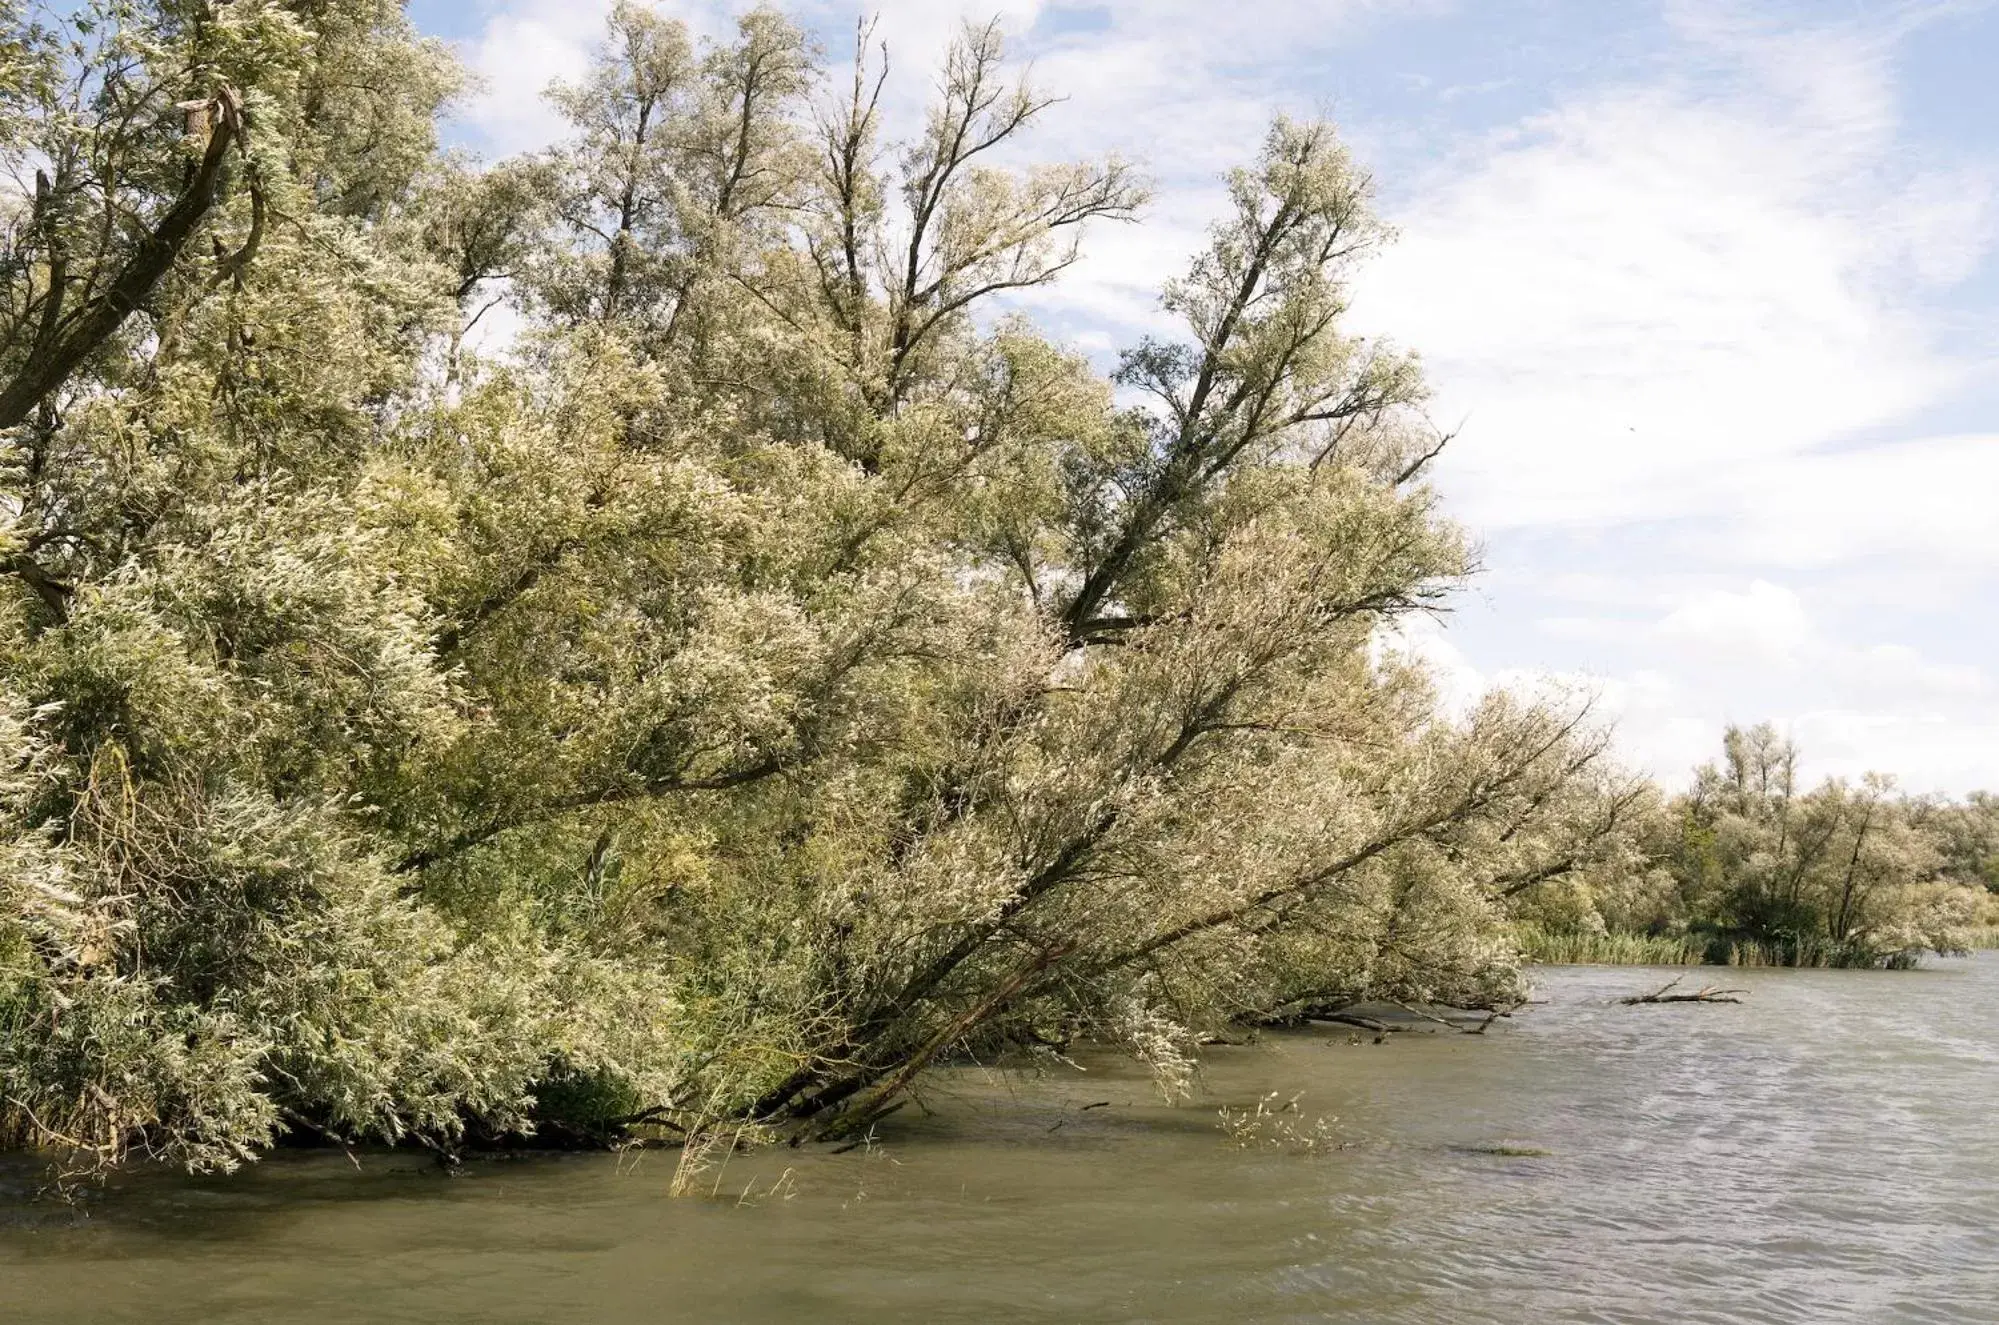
(51, 365)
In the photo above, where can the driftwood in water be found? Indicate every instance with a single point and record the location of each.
(1355, 1019)
(1458, 1025)
(1461, 1024)
(1705, 994)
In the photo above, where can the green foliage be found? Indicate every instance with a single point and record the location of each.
(1753, 870)
(774, 670)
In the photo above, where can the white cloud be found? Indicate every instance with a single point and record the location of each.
(1928, 504)
(1764, 624)
(523, 48)
(1636, 297)
(1701, 659)
(1692, 323)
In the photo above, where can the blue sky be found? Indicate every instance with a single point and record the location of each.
(1712, 284)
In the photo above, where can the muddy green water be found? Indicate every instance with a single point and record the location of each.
(1826, 1151)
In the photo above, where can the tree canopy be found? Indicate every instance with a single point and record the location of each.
(1750, 865)
(780, 665)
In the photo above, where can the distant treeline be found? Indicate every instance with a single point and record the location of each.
(1748, 867)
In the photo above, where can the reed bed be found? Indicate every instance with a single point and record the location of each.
(1547, 949)
(1617, 949)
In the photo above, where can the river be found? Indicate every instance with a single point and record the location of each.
(1827, 1150)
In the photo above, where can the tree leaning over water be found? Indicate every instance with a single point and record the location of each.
(782, 666)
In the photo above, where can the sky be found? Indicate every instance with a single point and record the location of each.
(1709, 290)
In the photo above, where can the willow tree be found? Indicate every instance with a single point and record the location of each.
(845, 648)
(208, 328)
(1837, 874)
(781, 665)
(1754, 865)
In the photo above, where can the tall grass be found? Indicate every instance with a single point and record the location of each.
(1620, 949)
(1547, 949)
(1808, 951)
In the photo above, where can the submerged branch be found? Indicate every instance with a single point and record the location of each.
(1705, 994)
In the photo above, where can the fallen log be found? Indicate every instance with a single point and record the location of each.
(1355, 1019)
(1705, 994)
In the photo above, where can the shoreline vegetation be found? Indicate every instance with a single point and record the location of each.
(1542, 949)
(1749, 867)
(775, 664)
